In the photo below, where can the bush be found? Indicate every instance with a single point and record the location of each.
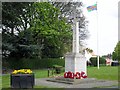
(94, 61)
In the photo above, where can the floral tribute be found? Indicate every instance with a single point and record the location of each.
(22, 71)
(76, 75)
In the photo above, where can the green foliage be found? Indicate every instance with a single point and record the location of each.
(114, 55)
(52, 31)
(94, 61)
(15, 20)
(36, 25)
(34, 63)
(116, 52)
(89, 50)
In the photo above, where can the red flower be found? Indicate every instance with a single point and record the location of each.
(65, 75)
(83, 75)
(78, 76)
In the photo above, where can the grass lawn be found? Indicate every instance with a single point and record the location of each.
(41, 73)
(105, 73)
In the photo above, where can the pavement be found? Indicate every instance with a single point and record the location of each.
(95, 84)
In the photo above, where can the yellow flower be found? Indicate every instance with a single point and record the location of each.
(15, 72)
(22, 71)
(28, 71)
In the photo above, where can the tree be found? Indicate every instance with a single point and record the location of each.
(114, 55)
(15, 20)
(66, 8)
(52, 31)
(39, 29)
(88, 50)
(116, 52)
(38, 24)
(15, 16)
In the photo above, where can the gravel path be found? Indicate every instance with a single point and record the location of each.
(97, 83)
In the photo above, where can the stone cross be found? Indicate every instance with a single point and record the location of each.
(76, 38)
(75, 61)
(76, 17)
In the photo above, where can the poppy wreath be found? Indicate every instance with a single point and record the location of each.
(83, 75)
(78, 75)
(65, 75)
(69, 74)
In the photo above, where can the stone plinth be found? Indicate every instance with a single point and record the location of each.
(75, 62)
(71, 81)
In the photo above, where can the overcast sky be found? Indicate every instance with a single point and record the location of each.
(104, 21)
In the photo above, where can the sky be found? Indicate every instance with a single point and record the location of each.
(102, 26)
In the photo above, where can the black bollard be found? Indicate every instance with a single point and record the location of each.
(48, 72)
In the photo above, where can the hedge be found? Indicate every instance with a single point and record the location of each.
(35, 63)
(94, 61)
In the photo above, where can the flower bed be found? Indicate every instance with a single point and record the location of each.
(22, 71)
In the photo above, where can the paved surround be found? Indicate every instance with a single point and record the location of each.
(97, 83)
(71, 81)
